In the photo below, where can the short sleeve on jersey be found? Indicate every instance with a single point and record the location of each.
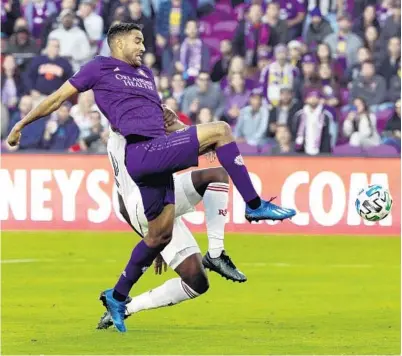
(87, 76)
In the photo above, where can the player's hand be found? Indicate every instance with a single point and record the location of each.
(169, 116)
(14, 137)
(159, 265)
(211, 156)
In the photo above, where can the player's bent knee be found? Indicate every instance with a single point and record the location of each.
(219, 175)
(158, 240)
(224, 129)
(198, 282)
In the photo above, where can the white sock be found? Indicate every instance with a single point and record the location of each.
(215, 200)
(169, 293)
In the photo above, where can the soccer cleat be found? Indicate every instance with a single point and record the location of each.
(117, 310)
(106, 320)
(268, 211)
(224, 266)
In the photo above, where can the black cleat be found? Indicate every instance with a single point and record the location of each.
(224, 266)
(106, 321)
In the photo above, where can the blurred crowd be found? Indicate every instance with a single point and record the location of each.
(289, 76)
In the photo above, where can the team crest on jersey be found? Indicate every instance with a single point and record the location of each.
(142, 73)
(239, 160)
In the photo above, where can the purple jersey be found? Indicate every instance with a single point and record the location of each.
(126, 95)
(291, 8)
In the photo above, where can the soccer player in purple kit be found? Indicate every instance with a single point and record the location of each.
(126, 94)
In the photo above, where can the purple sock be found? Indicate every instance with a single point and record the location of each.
(230, 158)
(141, 258)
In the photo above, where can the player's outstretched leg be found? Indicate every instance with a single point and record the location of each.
(212, 185)
(218, 135)
(192, 284)
(142, 256)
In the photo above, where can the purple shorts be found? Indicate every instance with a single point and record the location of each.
(151, 165)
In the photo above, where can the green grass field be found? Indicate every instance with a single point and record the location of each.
(305, 295)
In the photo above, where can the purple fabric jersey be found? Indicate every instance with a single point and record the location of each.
(291, 8)
(126, 95)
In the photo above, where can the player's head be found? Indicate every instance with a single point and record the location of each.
(126, 43)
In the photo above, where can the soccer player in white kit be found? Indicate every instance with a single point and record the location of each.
(182, 254)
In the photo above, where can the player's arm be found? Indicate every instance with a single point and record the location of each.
(45, 108)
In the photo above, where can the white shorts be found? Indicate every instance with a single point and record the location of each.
(183, 243)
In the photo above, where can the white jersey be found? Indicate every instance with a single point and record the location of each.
(183, 243)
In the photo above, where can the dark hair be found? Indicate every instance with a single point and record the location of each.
(121, 29)
(368, 62)
(366, 107)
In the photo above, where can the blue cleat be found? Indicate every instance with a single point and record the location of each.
(117, 310)
(268, 211)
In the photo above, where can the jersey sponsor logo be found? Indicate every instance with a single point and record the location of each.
(239, 160)
(140, 71)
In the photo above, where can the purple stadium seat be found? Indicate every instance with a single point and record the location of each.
(225, 26)
(347, 150)
(382, 151)
(265, 149)
(382, 117)
(227, 8)
(247, 149)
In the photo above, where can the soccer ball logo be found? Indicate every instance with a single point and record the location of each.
(374, 203)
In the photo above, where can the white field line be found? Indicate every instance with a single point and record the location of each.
(249, 264)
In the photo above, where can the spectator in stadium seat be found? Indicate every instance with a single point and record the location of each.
(272, 18)
(252, 124)
(136, 15)
(52, 22)
(284, 144)
(344, 44)
(171, 102)
(318, 29)
(80, 112)
(383, 11)
(369, 86)
(204, 116)
(22, 46)
(12, 86)
(313, 126)
(36, 12)
(323, 53)
(360, 125)
(178, 86)
(394, 89)
(392, 132)
(252, 34)
(74, 43)
(5, 119)
(96, 139)
(31, 139)
(150, 61)
(363, 55)
(194, 54)
(10, 12)
(372, 42)
(238, 65)
(93, 23)
(389, 65)
(46, 73)
(309, 78)
(236, 98)
(163, 87)
(203, 94)
(392, 25)
(221, 67)
(171, 20)
(294, 12)
(283, 113)
(116, 10)
(367, 19)
(61, 131)
(280, 72)
(295, 53)
(329, 86)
